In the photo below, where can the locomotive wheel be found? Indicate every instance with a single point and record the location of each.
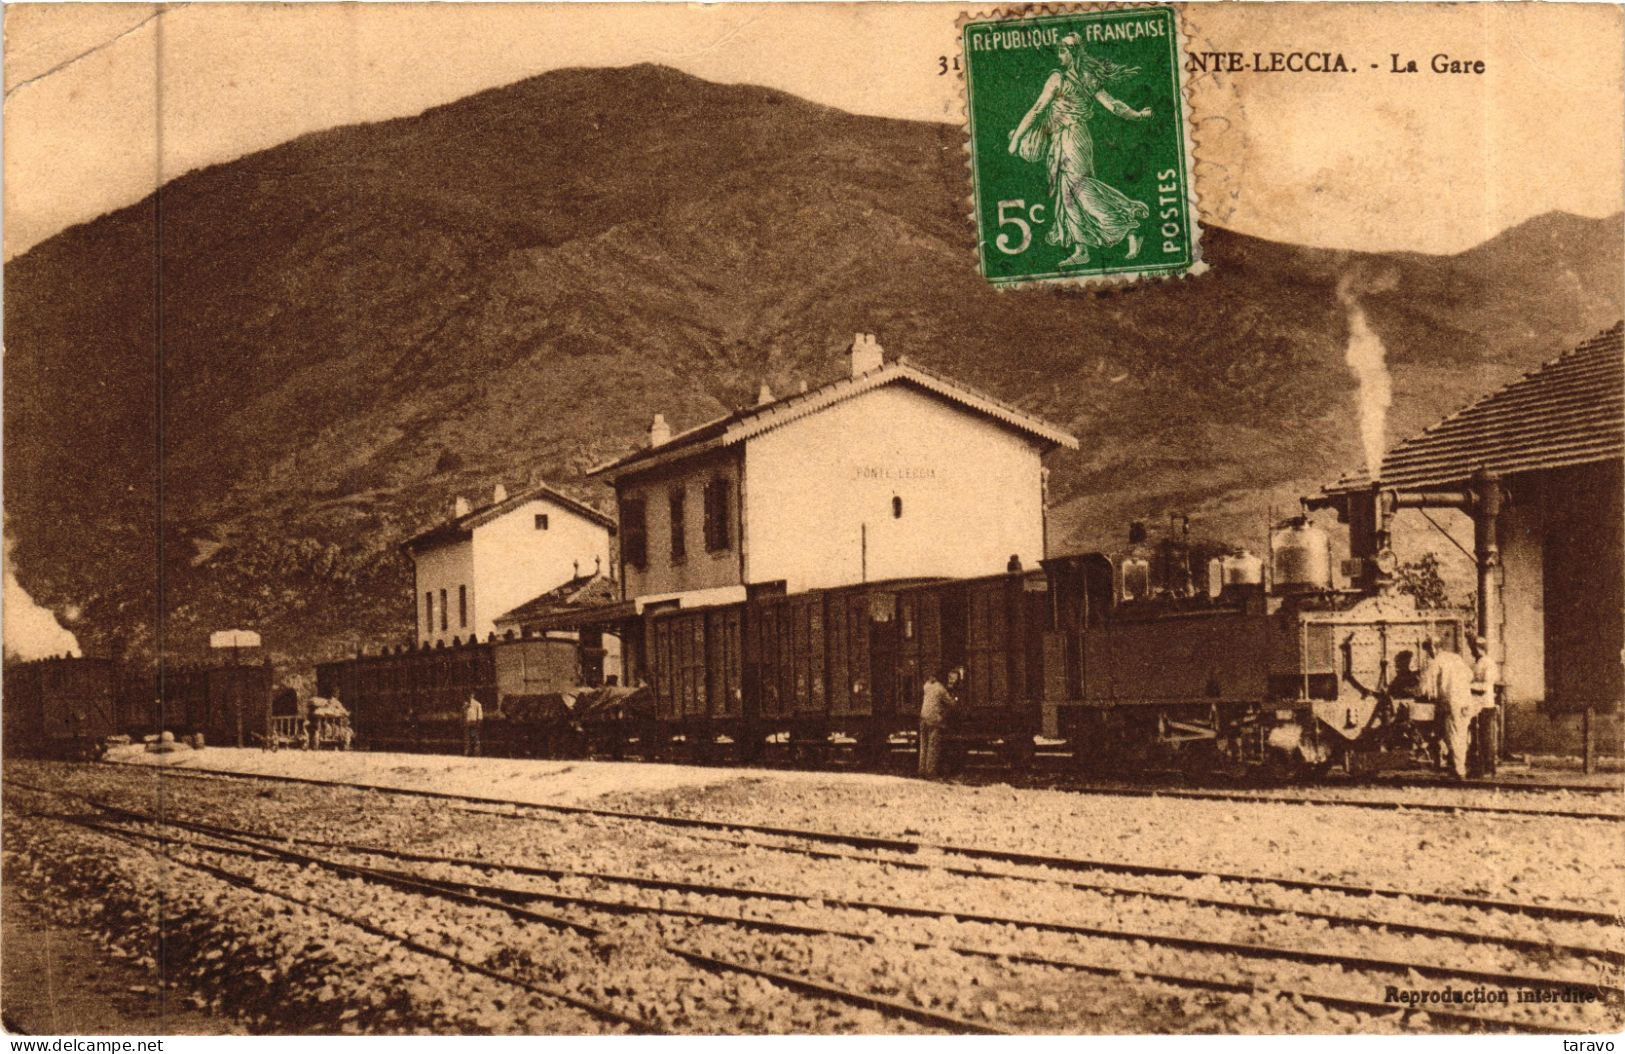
(872, 750)
(749, 746)
(1018, 752)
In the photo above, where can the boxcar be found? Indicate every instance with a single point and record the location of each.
(229, 705)
(992, 628)
(697, 671)
(62, 706)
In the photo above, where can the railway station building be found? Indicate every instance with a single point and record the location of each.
(891, 471)
(1546, 451)
(488, 560)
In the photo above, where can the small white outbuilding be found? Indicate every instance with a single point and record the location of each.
(486, 561)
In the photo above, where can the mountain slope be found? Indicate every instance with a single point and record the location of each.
(358, 324)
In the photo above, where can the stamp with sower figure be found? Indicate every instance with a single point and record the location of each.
(1080, 146)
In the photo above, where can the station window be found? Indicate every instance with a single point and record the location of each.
(462, 606)
(677, 502)
(634, 533)
(896, 507)
(717, 515)
(443, 612)
(428, 612)
(541, 521)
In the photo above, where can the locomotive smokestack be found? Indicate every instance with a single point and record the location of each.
(1367, 360)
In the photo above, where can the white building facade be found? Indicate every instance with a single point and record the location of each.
(891, 472)
(487, 561)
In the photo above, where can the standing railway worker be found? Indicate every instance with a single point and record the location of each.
(1449, 683)
(936, 705)
(1486, 672)
(473, 717)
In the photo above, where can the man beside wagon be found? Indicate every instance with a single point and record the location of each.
(937, 705)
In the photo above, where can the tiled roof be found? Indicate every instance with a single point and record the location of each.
(459, 528)
(1571, 411)
(753, 421)
(583, 591)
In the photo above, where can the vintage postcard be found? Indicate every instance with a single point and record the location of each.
(820, 519)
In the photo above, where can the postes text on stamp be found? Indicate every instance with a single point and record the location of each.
(1080, 146)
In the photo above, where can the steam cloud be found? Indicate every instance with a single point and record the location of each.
(31, 632)
(1368, 361)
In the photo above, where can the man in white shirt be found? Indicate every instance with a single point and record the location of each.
(936, 707)
(473, 715)
(1486, 672)
(1448, 681)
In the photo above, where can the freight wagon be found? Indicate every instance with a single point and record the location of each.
(62, 707)
(228, 705)
(410, 698)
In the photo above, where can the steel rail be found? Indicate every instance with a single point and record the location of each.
(1349, 803)
(916, 847)
(1096, 968)
(1349, 1003)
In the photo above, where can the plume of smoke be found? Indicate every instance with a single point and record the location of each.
(1368, 361)
(31, 632)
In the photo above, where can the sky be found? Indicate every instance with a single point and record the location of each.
(103, 102)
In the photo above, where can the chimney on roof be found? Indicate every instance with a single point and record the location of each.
(499, 494)
(460, 507)
(764, 395)
(802, 387)
(659, 431)
(866, 354)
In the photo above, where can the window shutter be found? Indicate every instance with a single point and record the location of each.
(679, 526)
(634, 533)
(717, 508)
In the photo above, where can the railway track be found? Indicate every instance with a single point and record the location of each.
(509, 898)
(266, 846)
(591, 1008)
(923, 853)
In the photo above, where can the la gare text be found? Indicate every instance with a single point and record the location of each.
(1323, 62)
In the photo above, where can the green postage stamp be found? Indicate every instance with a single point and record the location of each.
(1080, 146)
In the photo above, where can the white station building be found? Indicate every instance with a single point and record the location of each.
(892, 471)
